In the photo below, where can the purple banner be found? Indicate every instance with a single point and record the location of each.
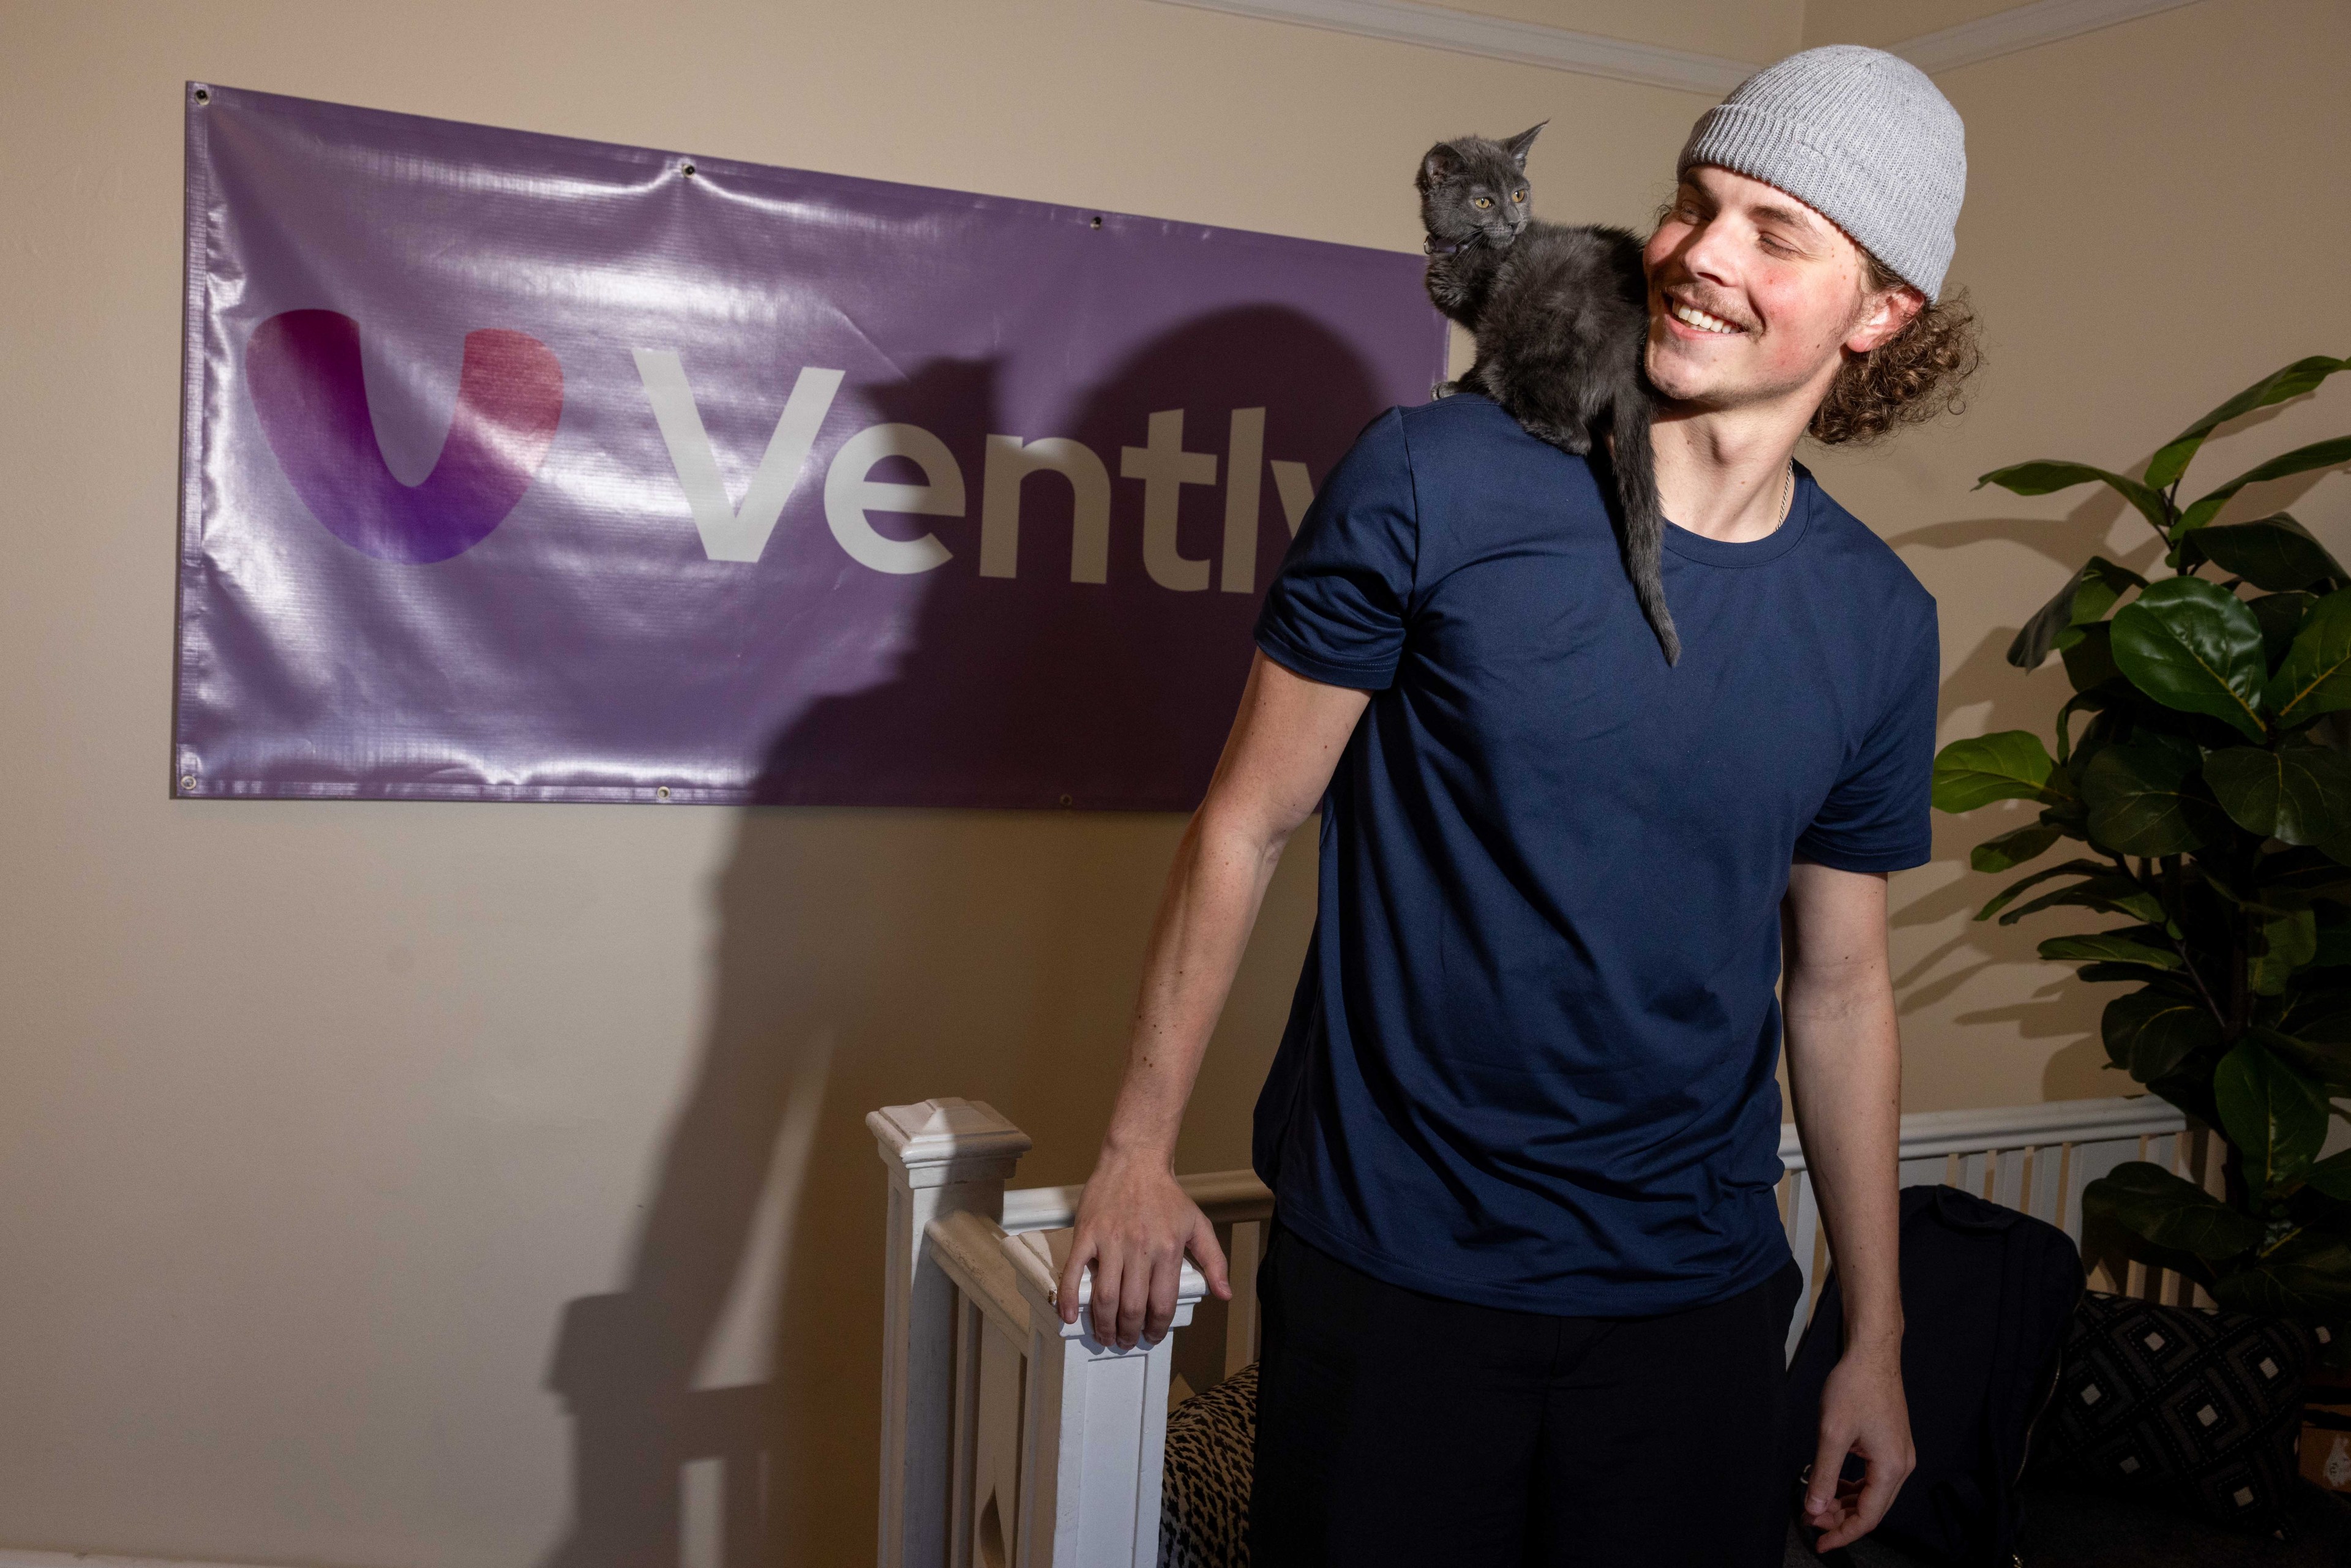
(525, 468)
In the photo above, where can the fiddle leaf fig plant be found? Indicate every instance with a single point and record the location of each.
(2200, 770)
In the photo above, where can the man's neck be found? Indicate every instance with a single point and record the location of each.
(1723, 473)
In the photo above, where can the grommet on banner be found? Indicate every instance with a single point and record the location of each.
(1067, 801)
(1097, 223)
(689, 171)
(187, 782)
(661, 793)
(204, 94)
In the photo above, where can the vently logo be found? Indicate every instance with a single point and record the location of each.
(739, 533)
(303, 366)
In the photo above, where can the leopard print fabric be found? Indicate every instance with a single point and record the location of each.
(1205, 1484)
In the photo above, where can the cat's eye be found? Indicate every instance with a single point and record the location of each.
(1484, 202)
(1520, 196)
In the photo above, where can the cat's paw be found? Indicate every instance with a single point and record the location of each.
(1442, 389)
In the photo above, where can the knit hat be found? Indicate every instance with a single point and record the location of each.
(1860, 136)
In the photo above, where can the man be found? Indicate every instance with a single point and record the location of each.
(1526, 1293)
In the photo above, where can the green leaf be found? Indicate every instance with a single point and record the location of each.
(2282, 942)
(2086, 597)
(2093, 702)
(2281, 615)
(2191, 1091)
(2275, 1119)
(2331, 946)
(2045, 476)
(2105, 972)
(2324, 1063)
(2171, 459)
(2070, 868)
(2143, 799)
(2275, 553)
(2111, 895)
(2169, 1211)
(2300, 794)
(2320, 1013)
(2149, 1033)
(2010, 764)
(2015, 847)
(2301, 460)
(2305, 870)
(2315, 676)
(2089, 656)
(2192, 646)
(2307, 1279)
(2105, 946)
(2332, 1176)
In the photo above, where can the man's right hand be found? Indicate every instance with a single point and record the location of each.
(1134, 1225)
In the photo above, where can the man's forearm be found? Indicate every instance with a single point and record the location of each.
(1134, 1224)
(1215, 888)
(1845, 1070)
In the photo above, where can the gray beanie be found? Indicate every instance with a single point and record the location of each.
(1860, 136)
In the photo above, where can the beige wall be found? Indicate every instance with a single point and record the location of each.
(324, 1128)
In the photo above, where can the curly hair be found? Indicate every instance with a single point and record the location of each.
(1916, 374)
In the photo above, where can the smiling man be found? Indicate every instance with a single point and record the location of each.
(1526, 1292)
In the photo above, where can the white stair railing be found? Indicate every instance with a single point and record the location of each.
(1013, 1440)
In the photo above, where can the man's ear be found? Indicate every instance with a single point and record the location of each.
(1883, 317)
(1517, 146)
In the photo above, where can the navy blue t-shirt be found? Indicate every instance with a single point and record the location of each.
(1531, 1060)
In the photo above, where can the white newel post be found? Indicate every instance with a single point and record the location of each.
(945, 1156)
(1096, 1430)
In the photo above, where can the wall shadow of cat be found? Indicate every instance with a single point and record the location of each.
(868, 956)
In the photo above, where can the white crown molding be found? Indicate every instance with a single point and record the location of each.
(2022, 27)
(1588, 54)
(1500, 38)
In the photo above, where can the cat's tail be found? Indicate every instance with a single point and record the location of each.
(1645, 522)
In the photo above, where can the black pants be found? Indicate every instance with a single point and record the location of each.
(1394, 1426)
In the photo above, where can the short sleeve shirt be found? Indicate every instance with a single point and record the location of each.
(1531, 1060)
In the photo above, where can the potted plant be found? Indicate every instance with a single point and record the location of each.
(2208, 798)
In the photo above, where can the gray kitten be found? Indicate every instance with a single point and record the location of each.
(1561, 315)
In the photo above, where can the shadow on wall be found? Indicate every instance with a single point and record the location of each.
(867, 958)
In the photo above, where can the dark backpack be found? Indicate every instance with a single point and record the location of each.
(1986, 1296)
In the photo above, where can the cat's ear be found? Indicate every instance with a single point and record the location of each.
(1517, 146)
(1441, 162)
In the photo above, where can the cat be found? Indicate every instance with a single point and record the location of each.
(1561, 315)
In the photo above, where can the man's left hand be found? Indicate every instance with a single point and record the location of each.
(1863, 1412)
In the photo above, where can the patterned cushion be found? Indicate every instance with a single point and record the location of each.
(1205, 1487)
(2199, 1408)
